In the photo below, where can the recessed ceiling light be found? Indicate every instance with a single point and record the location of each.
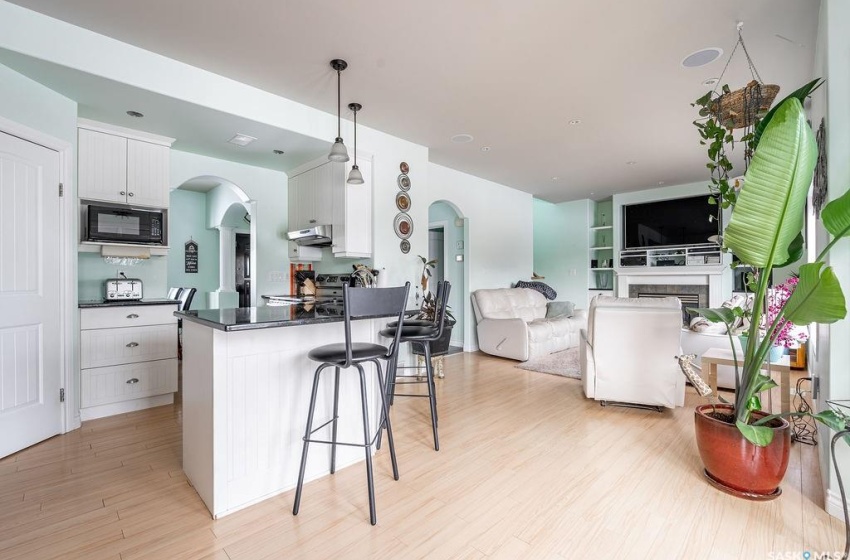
(711, 82)
(485, 148)
(462, 138)
(702, 57)
(241, 139)
(135, 114)
(278, 152)
(575, 121)
(631, 163)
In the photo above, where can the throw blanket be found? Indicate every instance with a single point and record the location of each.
(544, 289)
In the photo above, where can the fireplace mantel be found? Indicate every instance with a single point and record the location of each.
(713, 277)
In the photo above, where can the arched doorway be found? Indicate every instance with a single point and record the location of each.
(448, 237)
(218, 216)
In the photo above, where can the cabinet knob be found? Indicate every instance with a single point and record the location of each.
(122, 193)
(132, 344)
(132, 381)
(312, 221)
(132, 316)
(129, 194)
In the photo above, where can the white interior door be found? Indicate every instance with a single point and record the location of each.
(30, 366)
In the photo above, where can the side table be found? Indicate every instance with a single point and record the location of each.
(721, 356)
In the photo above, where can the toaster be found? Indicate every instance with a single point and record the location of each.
(122, 289)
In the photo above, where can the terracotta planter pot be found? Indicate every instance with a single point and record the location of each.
(735, 465)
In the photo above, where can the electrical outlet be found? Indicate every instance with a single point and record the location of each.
(277, 276)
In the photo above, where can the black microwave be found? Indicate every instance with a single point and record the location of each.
(113, 224)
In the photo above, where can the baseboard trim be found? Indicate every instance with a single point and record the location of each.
(833, 505)
(112, 409)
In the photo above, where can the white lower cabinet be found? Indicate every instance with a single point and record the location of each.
(128, 358)
(113, 384)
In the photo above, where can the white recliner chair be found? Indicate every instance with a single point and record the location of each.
(628, 352)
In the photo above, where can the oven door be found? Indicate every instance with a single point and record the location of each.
(125, 225)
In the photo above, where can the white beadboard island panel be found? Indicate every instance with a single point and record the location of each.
(245, 400)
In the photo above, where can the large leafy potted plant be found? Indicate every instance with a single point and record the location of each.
(744, 450)
(428, 312)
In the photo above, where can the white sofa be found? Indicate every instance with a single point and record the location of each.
(628, 352)
(512, 323)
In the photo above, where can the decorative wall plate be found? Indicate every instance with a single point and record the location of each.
(404, 167)
(403, 225)
(402, 201)
(404, 182)
(405, 246)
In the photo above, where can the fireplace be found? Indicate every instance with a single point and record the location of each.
(691, 295)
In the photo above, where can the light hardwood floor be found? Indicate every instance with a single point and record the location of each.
(528, 468)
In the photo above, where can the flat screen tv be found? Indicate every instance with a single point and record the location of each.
(668, 223)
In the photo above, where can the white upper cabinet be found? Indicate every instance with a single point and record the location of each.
(147, 174)
(102, 166)
(319, 195)
(352, 224)
(311, 198)
(122, 166)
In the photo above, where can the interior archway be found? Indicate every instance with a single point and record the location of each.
(214, 212)
(448, 243)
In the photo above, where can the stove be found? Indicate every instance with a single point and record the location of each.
(330, 285)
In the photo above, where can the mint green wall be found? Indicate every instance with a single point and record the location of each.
(93, 270)
(452, 269)
(29, 103)
(561, 248)
(187, 221)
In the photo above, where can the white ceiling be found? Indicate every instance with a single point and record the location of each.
(512, 74)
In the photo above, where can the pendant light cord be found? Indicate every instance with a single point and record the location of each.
(355, 138)
(338, 104)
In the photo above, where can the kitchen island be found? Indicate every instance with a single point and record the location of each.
(246, 390)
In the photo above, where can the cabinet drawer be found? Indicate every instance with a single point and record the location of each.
(109, 347)
(127, 316)
(112, 384)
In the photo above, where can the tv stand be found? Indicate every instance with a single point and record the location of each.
(690, 255)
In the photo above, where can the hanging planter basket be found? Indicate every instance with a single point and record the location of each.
(741, 108)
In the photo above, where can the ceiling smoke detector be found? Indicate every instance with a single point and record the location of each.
(702, 57)
(575, 122)
(278, 152)
(241, 139)
(485, 148)
(462, 138)
(135, 114)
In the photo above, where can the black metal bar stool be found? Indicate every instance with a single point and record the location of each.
(421, 333)
(357, 302)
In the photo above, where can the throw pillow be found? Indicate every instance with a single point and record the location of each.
(544, 289)
(556, 309)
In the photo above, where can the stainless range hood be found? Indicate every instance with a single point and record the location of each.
(316, 236)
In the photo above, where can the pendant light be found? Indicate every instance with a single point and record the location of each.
(338, 151)
(355, 177)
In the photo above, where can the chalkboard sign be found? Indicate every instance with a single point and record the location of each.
(191, 257)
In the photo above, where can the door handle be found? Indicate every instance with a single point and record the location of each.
(132, 316)
(132, 381)
(132, 344)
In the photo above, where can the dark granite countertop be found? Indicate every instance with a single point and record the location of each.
(248, 318)
(125, 303)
